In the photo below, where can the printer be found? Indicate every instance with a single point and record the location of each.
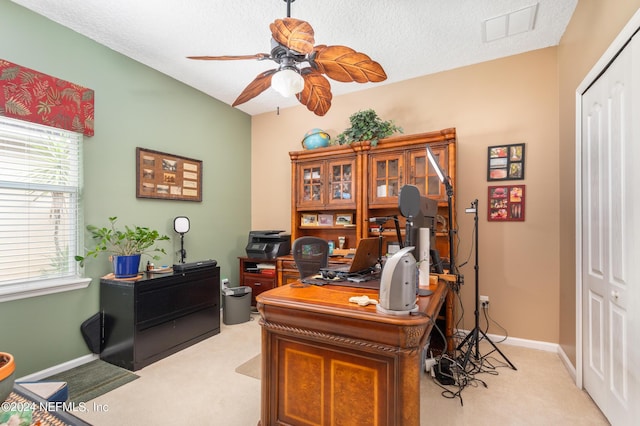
(268, 244)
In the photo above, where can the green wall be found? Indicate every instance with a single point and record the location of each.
(134, 106)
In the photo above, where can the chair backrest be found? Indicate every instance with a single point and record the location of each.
(310, 254)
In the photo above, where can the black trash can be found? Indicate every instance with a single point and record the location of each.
(237, 305)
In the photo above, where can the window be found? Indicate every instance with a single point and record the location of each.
(40, 214)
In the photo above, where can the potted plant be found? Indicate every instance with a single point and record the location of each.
(367, 126)
(125, 246)
(7, 375)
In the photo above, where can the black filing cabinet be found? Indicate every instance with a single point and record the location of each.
(146, 320)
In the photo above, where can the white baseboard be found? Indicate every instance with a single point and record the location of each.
(525, 343)
(567, 364)
(536, 344)
(39, 375)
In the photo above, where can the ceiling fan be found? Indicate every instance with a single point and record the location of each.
(292, 44)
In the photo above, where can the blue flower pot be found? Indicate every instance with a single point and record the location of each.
(126, 266)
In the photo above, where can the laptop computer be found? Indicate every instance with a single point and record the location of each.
(364, 259)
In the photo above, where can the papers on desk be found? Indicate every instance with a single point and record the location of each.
(266, 266)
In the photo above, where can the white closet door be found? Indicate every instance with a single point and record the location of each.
(610, 236)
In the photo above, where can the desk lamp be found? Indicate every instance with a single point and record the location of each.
(181, 226)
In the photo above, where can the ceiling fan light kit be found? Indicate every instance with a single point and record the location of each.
(287, 82)
(293, 44)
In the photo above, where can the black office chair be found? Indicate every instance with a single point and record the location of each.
(310, 254)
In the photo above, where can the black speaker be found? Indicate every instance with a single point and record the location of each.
(409, 201)
(91, 330)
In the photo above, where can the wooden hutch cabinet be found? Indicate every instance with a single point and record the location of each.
(327, 187)
(360, 181)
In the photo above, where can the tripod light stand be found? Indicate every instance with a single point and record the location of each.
(473, 338)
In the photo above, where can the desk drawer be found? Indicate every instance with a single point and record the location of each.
(289, 264)
(258, 284)
(176, 333)
(157, 305)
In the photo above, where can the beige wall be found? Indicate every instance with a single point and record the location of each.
(510, 100)
(594, 25)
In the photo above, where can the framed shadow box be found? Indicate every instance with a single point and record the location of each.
(505, 162)
(167, 176)
(506, 203)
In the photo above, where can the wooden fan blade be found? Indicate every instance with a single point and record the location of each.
(230, 57)
(342, 63)
(293, 33)
(261, 83)
(316, 94)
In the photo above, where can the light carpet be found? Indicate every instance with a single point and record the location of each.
(199, 385)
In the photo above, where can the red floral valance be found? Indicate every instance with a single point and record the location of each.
(29, 95)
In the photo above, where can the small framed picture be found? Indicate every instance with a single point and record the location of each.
(506, 203)
(506, 162)
(309, 219)
(344, 219)
(325, 219)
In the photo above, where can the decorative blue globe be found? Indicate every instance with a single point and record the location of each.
(315, 138)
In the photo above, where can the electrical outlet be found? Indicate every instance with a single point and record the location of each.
(484, 301)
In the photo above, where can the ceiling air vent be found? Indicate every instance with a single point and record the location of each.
(509, 24)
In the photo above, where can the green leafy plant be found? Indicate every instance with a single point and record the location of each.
(124, 242)
(367, 126)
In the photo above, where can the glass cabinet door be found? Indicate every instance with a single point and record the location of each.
(424, 176)
(435, 188)
(386, 178)
(419, 172)
(341, 182)
(310, 179)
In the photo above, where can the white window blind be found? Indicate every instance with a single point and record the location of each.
(40, 217)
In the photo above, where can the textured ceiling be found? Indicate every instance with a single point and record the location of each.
(409, 38)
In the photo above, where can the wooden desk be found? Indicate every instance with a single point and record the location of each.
(328, 361)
